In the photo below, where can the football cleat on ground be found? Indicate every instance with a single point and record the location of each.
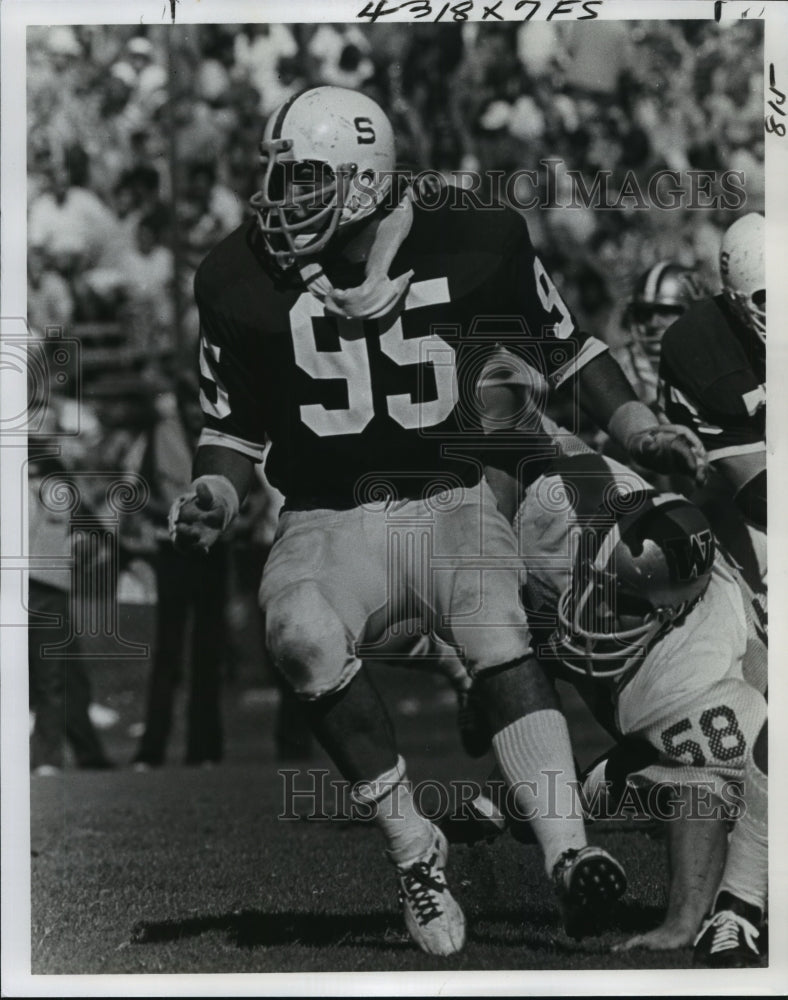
(587, 881)
(729, 937)
(432, 915)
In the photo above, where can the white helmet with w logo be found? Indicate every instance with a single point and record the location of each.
(328, 160)
(641, 566)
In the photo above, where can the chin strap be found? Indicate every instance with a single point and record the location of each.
(378, 294)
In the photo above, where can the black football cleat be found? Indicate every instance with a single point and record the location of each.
(587, 882)
(729, 937)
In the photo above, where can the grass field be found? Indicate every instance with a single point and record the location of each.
(184, 870)
(180, 873)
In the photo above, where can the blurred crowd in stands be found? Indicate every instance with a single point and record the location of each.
(141, 137)
(143, 148)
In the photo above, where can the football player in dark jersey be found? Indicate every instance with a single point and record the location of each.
(662, 293)
(348, 323)
(713, 370)
(713, 379)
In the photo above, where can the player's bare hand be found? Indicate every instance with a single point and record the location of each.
(197, 519)
(670, 448)
(663, 938)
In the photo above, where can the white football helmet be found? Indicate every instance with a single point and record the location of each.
(638, 571)
(328, 160)
(743, 271)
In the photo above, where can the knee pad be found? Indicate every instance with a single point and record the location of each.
(307, 641)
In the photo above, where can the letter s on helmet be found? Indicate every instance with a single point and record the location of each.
(743, 271)
(636, 575)
(328, 159)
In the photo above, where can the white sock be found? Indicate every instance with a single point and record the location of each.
(535, 757)
(408, 834)
(746, 873)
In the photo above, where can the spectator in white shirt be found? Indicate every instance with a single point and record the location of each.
(341, 55)
(259, 50)
(72, 222)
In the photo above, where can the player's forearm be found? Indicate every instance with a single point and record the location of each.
(696, 858)
(604, 390)
(647, 438)
(213, 460)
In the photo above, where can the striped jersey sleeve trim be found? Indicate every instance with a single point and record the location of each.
(737, 449)
(209, 436)
(591, 349)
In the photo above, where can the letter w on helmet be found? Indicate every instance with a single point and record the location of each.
(638, 571)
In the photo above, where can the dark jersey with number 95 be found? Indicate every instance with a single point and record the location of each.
(348, 403)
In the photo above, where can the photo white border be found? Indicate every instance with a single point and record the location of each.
(15, 858)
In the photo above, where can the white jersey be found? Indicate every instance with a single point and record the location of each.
(690, 696)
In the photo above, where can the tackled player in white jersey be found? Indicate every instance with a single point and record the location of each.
(630, 601)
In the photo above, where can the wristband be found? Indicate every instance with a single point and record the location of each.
(629, 419)
(224, 491)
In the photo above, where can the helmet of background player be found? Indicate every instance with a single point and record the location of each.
(661, 295)
(643, 561)
(328, 159)
(743, 271)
